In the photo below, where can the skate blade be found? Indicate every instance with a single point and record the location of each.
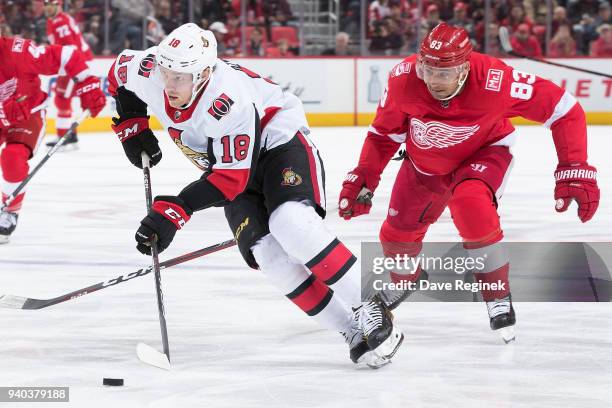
(371, 360)
(387, 348)
(507, 334)
(4, 239)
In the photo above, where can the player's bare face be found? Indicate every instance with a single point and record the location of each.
(51, 10)
(178, 87)
(442, 82)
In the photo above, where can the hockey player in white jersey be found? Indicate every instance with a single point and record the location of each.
(250, 139)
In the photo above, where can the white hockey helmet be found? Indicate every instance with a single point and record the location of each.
(188, 49)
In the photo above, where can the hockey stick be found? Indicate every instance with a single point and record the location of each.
(19, 302)
(145, 353)
(504, 39)
(48, 155)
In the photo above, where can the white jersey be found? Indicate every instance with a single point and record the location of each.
(219, 131)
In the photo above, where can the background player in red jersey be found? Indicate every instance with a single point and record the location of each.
(22, 109)
(451, 107)
(63, 30)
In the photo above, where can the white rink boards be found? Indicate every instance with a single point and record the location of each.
(236, 342)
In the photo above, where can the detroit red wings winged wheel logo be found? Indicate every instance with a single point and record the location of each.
(438, 134)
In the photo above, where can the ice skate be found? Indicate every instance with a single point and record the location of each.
(359, 351)
(382, 336)
(502, 318)
(69, 145)
(8, 223)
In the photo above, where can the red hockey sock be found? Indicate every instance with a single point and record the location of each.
(396, 242)
(14, 164)
(475, 216)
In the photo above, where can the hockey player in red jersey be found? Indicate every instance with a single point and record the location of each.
(22, 109)
(451, 107)
(250, 140)
(63, 30)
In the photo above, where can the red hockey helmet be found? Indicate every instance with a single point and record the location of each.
(445, 46)
(57, 2)
(442, 62)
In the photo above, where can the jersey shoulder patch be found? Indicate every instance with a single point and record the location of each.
(18, 45)
(220, 106)
(147, 64)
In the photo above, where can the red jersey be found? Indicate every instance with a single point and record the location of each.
(23, 61)
(63, 30)
(440, 136)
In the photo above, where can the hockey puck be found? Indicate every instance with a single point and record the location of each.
(114, 382)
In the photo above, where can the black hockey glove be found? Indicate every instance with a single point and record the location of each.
(167, 215)
(136, 137)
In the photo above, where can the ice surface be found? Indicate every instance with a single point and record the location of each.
(236, 342)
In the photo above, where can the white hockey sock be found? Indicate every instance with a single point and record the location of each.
(302, 234)
(309, 293)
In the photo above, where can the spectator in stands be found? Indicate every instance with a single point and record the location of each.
(128, 22)
(254, 10)
(559, 18)
(523, 42)
(39, 21)
(282, 50)
(93, 34)
(377, 10)
(14, 18)
(220, 31)
(562, 44)
(165, 16)
(5, 30)
(155, 32)
(277, 12)
(342, 46)
(460, 18)
(255, 47)
(211, 10)
(232, 38)
(379, 42)
(351, 17)
(536, 10)
(432, 17)
(395, 39)
(517, 17)
(577, 8)
(495, 48)
(78, 12)
(604, 14)
(446, 9)
(585, 32)
(602, 47)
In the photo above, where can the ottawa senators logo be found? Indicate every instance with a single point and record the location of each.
(199, 159)
(291, 178)
(221, 106)
(146, 65)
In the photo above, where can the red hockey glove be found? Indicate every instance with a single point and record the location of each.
(92, 97)
(356, 195)
(13, 110)
(168, 214)
(577, 181)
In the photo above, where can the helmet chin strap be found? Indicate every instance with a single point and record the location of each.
(460, 84)
(198, 86)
